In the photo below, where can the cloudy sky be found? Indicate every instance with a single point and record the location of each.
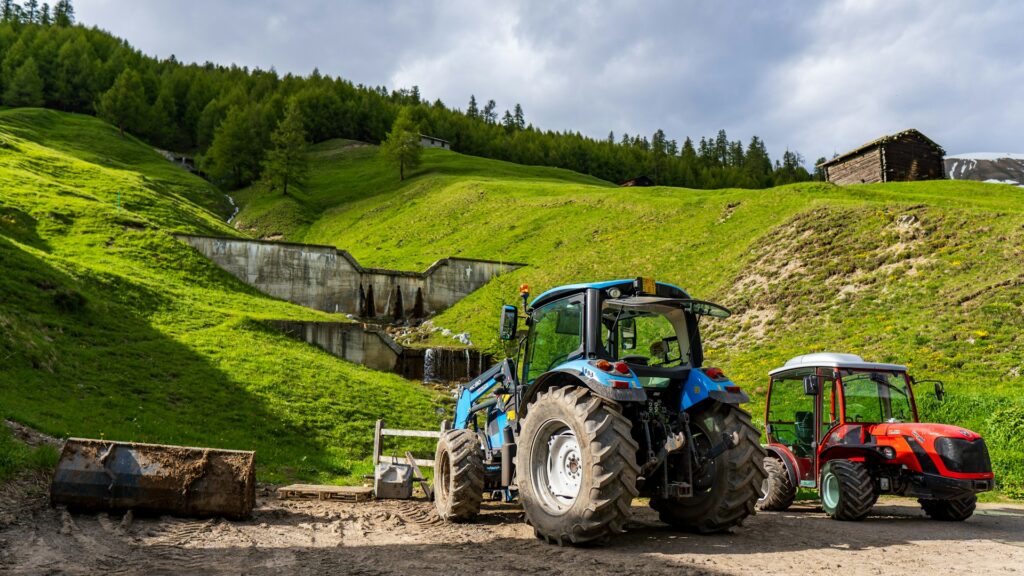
(817, 77)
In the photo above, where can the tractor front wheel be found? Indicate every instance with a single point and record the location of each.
(459, 475)
(725, 488)
(956, 510)
(777, 490)
(575, 466)
(847, 490)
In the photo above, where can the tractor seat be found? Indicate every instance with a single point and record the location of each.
(804, 426)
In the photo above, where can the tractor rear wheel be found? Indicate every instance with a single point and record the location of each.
(777, 490)
(459, 475)
(847, 490)
(575, 466)
(727, 488)
(951, 510)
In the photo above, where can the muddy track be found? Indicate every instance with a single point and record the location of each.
(405, 537)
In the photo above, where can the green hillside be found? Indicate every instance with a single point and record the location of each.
(927, 273)
(109, 327)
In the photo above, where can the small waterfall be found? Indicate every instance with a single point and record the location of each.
(430, 366)
(234, 207)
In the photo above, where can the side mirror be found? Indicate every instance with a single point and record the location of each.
(940, 388)
(509, 322)
(811, 385)
(627, 328)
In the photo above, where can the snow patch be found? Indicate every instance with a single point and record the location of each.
(985, 156)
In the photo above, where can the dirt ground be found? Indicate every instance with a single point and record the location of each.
(405, 537)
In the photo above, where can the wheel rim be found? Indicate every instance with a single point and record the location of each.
(556, 467)
(704, 476)
(830, 491)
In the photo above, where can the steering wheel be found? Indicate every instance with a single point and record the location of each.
(792, 436)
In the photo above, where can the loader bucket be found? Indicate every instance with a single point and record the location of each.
(104, 475)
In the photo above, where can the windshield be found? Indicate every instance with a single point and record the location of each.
(653, 335)
(876, 396)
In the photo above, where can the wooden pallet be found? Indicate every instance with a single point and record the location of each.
(316, 492)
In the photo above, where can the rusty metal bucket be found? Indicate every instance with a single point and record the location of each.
(105, 475)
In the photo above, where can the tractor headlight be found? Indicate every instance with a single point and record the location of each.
(887, 452)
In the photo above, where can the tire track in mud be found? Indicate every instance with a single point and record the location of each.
(407, 537)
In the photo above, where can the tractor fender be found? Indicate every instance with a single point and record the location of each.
(788, 460)
(567, 376)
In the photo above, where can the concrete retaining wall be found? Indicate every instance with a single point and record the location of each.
(373, 348)
(329, 279)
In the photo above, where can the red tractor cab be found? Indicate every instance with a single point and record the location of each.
(850, 429)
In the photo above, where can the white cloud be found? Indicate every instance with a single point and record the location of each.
(818, 77)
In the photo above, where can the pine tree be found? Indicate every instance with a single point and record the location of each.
(76, 75)
(26, 86)
(63, 13)
(124, 105)
(286, 161)
(490, 112)
(236, 153)
(8, 12)
(402, 145)
(520, 119)
(32, 11)
(472, 111)
(44, 15)
(819, 170)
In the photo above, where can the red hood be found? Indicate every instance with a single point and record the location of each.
(922, 429)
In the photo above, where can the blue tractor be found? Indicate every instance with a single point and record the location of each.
(606, 400)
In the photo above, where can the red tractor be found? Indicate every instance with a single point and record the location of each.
(850, 429)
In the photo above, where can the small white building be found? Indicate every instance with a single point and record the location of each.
(432, 142)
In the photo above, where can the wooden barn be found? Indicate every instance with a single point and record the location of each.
(904, 156)
(639, 181)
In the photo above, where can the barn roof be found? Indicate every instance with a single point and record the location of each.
(883, 140)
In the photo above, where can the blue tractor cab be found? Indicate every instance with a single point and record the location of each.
(607, 398)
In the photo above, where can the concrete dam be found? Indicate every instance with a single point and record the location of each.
(374, 348)
(329, 279)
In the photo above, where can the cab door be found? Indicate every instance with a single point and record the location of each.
(828, 408)
(791, 419)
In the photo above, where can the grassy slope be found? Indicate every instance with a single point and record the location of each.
(927, 274)
(111, 328)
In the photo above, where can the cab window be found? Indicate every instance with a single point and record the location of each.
(557, 334)
(791, 415)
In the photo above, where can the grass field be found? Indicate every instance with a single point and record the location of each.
(111, 328)
(928, 274)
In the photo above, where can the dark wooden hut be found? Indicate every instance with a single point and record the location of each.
(904, 156)
(639, 181)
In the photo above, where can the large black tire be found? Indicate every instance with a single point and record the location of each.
(574, 441)
(777, 490)
(956, 510)
(727, 488)
(458, 475)
(847, 490)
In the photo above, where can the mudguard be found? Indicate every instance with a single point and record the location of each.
(599, 382)
(699, 387)
(788, 460)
